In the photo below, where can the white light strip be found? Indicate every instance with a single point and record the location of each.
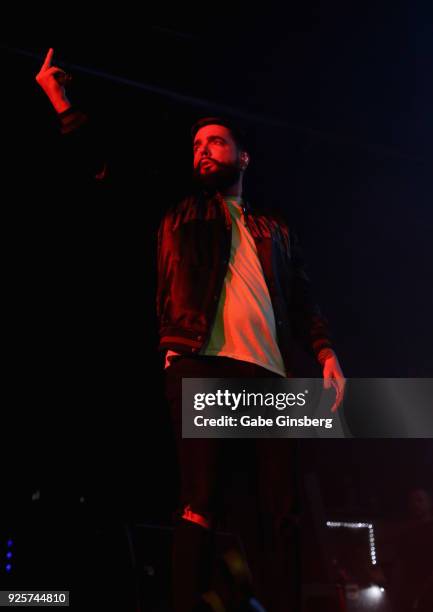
(368, 526)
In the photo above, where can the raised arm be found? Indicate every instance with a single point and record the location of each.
(83, 139)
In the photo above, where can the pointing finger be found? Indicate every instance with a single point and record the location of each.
(48, 58)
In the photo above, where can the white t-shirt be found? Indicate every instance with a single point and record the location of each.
(244, 325)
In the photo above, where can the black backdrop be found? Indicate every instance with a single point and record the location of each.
(339, 106)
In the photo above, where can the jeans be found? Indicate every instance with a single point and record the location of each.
(247, 486)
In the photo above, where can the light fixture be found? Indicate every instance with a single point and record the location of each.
(369, 526)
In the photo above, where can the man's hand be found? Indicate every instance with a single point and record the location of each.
(51, 79)
(332, 375)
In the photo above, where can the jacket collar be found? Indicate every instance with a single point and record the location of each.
(205, 196)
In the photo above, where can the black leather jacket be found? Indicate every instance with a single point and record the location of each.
(194, 243)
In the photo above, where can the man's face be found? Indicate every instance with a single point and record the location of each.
(216, 157)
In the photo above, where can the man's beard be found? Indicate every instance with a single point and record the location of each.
(220, 179)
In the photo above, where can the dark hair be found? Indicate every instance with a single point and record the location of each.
(237, 132)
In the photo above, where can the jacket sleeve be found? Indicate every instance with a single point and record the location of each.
(309, 325)
(83, 145)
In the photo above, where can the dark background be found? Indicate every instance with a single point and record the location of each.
(338, 101)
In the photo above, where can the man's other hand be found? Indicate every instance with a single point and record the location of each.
(332, 375)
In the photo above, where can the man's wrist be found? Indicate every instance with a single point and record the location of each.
(325, 354)
(61, 105)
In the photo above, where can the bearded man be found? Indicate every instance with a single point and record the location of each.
(232, 299)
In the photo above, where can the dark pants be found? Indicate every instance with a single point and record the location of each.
(247, 486)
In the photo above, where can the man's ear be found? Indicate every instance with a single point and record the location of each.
(245, 160)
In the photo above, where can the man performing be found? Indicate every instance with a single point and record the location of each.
(233, 296)
(232, 299)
